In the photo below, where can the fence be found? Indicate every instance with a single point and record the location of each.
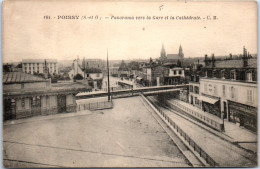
(192, 143)
(95, 106)
(216, 125)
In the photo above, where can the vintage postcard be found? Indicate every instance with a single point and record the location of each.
(129, 83)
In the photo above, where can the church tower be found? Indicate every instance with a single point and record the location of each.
(181, 55)
(163, 53)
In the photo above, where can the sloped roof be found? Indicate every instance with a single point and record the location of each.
(252, 63)
(172, 56)
(123, 66)
(20, 77)
(39, 60)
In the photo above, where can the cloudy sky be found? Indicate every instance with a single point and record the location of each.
(27, 35)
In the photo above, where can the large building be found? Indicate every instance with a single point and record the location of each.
(228, 89)
(94, 63)
(33, 66)
(176, 75)
(26, 95)
(171, 57)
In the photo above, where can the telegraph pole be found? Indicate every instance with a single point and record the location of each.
(108, 89)
(84, 67)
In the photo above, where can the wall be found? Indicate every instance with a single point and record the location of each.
(23, 108)
(71, 103)
(35, 85)
(96, 75)
(171, 72)
(12, 87)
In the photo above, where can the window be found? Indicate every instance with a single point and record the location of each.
(33, 101)
(180, 72)
(223, 90)
(249, 76)
(215, 89)
(97, 74)
(191, 88)
(174, 72)
(249, 95)
(197, 90)
(233, 75)
(205, 87)
(23, 103)
(223, 74)
(232, 92)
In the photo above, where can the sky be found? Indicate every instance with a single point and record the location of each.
(27, 35)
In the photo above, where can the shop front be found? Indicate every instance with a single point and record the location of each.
(210, 105)
(243, 115)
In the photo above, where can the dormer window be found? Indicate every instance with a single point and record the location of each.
(222, 74)
(249, 76)
(233, 75)
(214, 73)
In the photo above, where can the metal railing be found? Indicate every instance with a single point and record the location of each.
(95, 106)
(199, 116)
(189, 140)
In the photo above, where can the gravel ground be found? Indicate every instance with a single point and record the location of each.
(125, 136)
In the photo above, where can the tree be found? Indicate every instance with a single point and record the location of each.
(178, 63)
(133, 65)
(19, 65)
(78, 77)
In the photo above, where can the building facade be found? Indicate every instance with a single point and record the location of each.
(176, 76)
(236, 100)
(228, 89)
(33, 66)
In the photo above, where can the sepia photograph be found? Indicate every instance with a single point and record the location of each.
(129, 83)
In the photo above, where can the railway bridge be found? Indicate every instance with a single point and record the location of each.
(133, 91)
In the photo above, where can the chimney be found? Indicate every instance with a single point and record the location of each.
(206, 60)
(245, 57)
(230, 56)
(213, 60)
(46, 71)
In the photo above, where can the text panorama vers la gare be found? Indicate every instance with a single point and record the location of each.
(158, 18)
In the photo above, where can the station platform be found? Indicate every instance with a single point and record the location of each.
(237, 134)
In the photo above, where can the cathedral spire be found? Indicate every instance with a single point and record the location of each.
(163, 53)
(181, 55)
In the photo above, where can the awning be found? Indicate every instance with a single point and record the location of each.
(139, 78)
(208, 99)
